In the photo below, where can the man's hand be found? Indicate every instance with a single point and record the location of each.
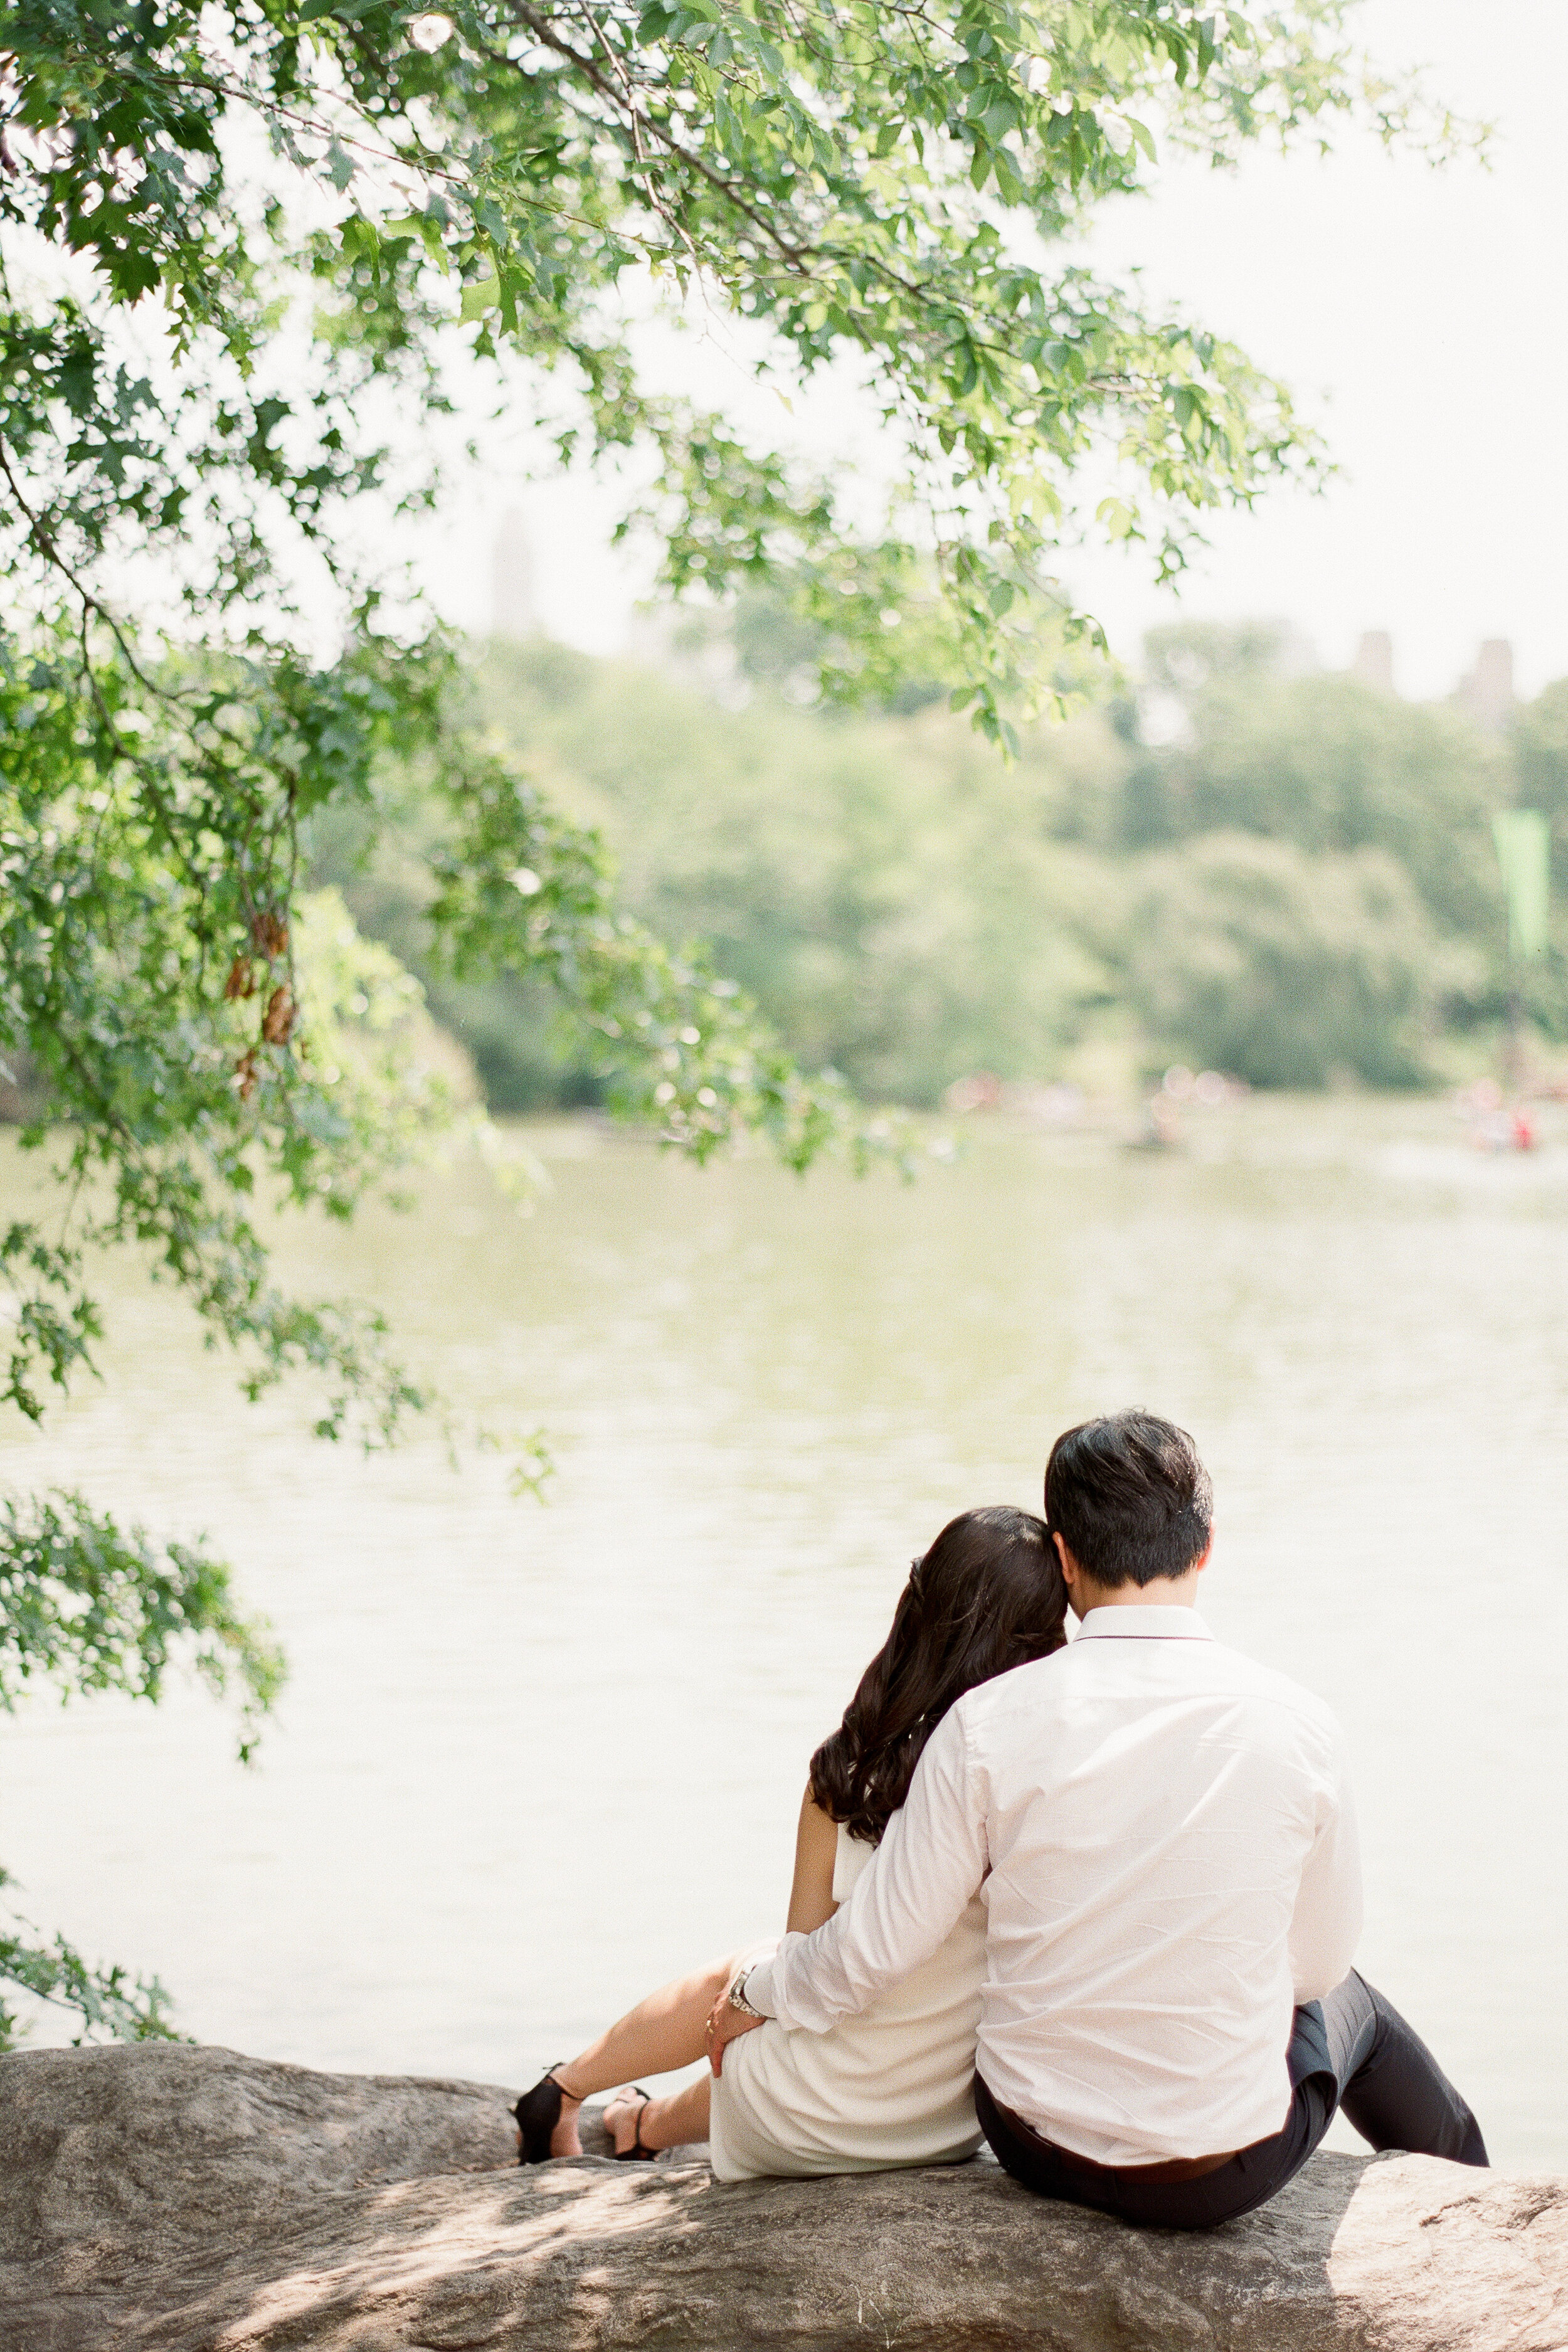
(725, 2022)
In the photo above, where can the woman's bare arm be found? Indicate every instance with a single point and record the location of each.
(815, 1849)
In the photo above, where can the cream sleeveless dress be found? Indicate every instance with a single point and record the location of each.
(894, 2086)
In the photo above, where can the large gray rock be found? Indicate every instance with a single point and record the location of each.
(173, 2200)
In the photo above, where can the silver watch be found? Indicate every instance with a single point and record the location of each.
(738, 1997)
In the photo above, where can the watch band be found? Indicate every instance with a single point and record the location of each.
(738, 1997)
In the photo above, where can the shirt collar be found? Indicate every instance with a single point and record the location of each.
(1144, 1622)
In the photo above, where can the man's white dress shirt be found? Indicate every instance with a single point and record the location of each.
(1165, 1843)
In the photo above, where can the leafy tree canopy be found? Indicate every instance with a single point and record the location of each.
(1299, 881)
(251, 251)
(1335, 765)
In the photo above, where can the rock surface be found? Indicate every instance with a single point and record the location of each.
(176, 2199)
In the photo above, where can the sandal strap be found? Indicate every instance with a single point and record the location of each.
(640, 2148)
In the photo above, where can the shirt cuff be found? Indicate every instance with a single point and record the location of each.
(759, 1987)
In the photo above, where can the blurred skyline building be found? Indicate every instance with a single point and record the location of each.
(513, 614)
(1374, 662)
(1486, 692)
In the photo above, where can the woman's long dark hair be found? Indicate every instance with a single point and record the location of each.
(988, 1595)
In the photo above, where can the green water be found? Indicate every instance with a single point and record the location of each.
(532, 1761)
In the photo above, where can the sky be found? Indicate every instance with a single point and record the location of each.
(1418, 314)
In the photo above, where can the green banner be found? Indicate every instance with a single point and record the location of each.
(1524, 853)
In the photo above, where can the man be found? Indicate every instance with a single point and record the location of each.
(1165, 1834)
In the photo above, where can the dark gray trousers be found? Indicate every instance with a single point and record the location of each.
(1351, 2049)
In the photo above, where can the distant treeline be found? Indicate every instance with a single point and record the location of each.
(1289, 877)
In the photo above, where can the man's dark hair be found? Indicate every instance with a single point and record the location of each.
(1129, 1498)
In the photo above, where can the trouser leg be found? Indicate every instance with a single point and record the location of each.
(1391, 2088)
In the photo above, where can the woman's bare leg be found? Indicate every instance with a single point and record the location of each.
(663, 2032)
(673, 2122)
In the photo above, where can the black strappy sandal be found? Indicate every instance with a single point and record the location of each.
(638, 2153)
(538, 2112)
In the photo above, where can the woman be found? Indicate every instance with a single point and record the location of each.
(893, 2086)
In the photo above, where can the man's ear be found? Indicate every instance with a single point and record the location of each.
(1074, 1576)
(1203, 1557)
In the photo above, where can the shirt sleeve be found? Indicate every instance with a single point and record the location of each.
(906, 1903)
(1325, 1926)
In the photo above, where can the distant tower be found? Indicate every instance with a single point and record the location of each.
(1486, 693)
(1374, 662)
(511, 580)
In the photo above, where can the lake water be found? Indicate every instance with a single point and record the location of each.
(532, 1761)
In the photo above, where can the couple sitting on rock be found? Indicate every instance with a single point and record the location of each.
(1096, 1902)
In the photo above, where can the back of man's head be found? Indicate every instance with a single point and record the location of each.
(1130, 1498)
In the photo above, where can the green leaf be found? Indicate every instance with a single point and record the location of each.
(481, 295)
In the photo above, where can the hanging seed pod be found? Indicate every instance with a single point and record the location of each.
(277, 1021)
(245, 1075)
(269, 932)
(241, 981)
